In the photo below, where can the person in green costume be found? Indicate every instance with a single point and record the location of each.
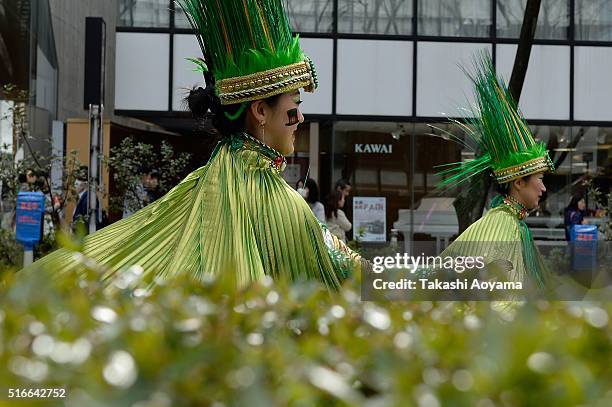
(236, 214)
(506, 150)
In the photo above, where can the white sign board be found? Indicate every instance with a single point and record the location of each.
(370, 218)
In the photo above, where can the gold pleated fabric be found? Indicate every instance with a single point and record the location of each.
(236, 215)
(497, 238)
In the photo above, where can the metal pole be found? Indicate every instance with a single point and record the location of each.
(94, 164)
(28, 256)
(100, 186)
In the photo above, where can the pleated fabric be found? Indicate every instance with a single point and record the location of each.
(236, 215)
(499, 237)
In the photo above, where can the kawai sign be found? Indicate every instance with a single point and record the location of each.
(374, 148)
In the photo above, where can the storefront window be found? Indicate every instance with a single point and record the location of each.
(393, 17)
(399, 162)
(381, 160)
(143, 13)
(593, 20)
(553, 19)
(583, 167)
(455, 18)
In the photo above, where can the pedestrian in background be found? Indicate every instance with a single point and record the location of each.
(337, 222)
(310, 192)
(574, 214)
(344, 187)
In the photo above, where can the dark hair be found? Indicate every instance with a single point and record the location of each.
(573, 205)
(82, 174)
(342, 183)
(206, 107)
(298, 182)
(332, 204)
(313, 190)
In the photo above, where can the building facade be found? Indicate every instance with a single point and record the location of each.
(388, 69)
(28, 75)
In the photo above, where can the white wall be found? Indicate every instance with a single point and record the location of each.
(374, 77)
(593, 83)
(141, 71)
(321, 51)
(442, 86)
(546, 92)
(184, 77)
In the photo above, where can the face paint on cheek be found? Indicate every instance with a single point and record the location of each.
(292, 115)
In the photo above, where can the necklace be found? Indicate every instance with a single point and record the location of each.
(278, 161)
(517, 208)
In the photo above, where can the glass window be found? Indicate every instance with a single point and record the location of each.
(553, 19)
(14, 44)
(455, 18)
(44, 78)
(143, 13)
(310, 15)
(379, 158)
(304, 16)
(6, 126)
(375, 157)
(593, 20)
(583, 162)
(180, 21)
(375, 17)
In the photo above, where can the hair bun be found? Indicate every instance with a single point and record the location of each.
(201, 100)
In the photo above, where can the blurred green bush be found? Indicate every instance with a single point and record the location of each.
(186, 343)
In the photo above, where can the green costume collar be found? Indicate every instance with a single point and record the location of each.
(516, 207)
(246, 141)
(507, 201)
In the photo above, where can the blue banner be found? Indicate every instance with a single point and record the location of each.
(584, 247)
(30, 213)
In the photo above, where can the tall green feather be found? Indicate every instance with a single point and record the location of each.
(242, 37)
(496, 130)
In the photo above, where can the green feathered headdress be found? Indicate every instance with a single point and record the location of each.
(497, 129)
(249, 48)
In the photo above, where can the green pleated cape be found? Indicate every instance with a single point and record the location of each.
(501, 238)
(236, 215)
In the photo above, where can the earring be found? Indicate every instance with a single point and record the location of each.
(263, 131)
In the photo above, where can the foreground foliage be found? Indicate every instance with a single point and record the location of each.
(188, 343)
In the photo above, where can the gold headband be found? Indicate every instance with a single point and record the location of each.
(527, 168)
(268, 83)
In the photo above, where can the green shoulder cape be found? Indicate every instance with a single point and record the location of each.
(502, 239)
(236, 215)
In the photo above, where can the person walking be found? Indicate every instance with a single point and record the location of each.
(336, 219)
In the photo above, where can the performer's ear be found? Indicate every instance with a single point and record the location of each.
(258, 109)
(518, 183)
(521, 183)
